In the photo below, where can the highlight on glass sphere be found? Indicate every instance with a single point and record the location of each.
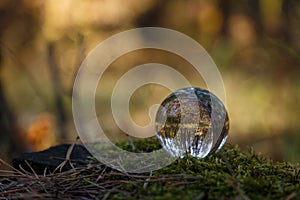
(192, 121)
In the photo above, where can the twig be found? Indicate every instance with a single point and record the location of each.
(130, 142)
(291, 196)
(11, 167)
(34, 173)
(68, 157)
(147, 181)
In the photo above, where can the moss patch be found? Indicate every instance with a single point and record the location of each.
(228, 174)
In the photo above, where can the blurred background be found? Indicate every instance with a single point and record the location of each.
(255, 44)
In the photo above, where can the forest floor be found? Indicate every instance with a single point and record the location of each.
(229, 174)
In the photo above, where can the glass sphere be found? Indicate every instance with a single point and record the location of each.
(192, 121)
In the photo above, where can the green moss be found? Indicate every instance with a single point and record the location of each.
(229, 174)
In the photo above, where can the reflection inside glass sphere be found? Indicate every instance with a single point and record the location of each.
(192, 121)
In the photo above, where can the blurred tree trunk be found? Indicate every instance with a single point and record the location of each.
(290, 30)
(61, 117)
(10, 141)
(5, 114)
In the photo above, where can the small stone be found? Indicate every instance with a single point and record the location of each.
(48, 160)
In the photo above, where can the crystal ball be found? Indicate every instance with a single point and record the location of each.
(192, 121)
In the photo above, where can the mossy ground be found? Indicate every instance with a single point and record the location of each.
(229, 174)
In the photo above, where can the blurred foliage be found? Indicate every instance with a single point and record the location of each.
(255, 44)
